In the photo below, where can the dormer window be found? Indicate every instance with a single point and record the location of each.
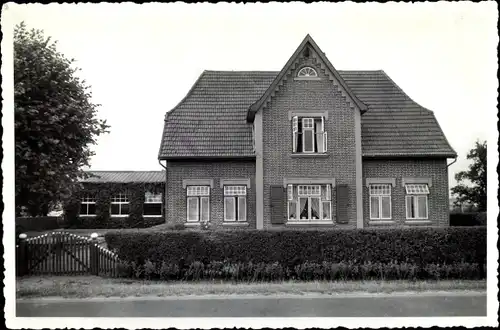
(307, 72)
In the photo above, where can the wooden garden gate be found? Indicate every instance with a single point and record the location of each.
(63, 253)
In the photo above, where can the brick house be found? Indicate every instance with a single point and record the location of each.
(308, 146)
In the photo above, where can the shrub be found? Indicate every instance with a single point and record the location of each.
(261, 272)
(124, 269)
(467, 219)
(150, 270)
(415, 246)
(168, 271)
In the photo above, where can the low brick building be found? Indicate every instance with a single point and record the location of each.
(118, 199)
(308, 146)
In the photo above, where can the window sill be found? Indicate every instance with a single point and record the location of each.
(153, 216)
(417, 221)
(192, 224)
(236, 224)
(309, 222)
(87, 215)
(381, 222)
(309, 155)
(118, 216)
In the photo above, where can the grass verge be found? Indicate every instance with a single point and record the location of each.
(93, 286)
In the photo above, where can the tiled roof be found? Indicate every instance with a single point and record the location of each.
(124, 176)
(211, 120)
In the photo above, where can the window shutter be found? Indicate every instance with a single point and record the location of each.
(295, 131)
(322, 124)
(342, 203)
(277, 205)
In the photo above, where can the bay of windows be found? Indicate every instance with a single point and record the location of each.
(309, 202)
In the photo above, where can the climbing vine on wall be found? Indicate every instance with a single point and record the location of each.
(103, 192)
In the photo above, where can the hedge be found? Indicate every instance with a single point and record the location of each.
(468, 219)
(418, 246)
(38, 223)
(325, 271)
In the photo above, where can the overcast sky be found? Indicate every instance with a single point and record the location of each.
(141, 60)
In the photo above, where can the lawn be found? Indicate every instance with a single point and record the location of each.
(93, 286)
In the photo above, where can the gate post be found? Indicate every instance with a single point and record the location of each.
(94, 255)
(22, 255)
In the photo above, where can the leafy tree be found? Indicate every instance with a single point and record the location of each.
(55, 122)
(474, 194)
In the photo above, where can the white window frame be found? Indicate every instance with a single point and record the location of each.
(413, 193)
(119, 199)
(315, 136)
(87, 200)
(235, 193)
(153, 201)
(379, 196)
(200, 194)
(309, 192)
(305, 72)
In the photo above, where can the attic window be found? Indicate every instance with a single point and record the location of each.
(306, 72)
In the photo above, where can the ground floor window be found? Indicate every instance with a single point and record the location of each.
(119, 205)
(235, 203)
(417, 201)
(309, 202)
(152, 204)
(380, 201)
(198, 203)
(87, 205)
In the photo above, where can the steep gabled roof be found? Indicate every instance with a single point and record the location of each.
(308, 40)
(211, 121)
(395, 125)
(125, 177)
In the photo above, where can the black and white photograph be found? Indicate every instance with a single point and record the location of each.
(256, 165)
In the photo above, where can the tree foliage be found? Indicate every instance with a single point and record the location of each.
(475, 192)
(55, 122)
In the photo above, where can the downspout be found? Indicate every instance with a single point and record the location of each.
(453, 162)
(165, 198)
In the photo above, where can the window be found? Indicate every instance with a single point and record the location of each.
(307, 72)
(119, 205)
(309, 202)
(308, 135)
(380, 201)
(87, 206)
(198, 203)
(152, 204)
(416, 201)
(235, 203)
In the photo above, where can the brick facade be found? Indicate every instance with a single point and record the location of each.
(278, 162)
(177, 171)
(434, 169)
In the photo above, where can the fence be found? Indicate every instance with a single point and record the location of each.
(62, 253)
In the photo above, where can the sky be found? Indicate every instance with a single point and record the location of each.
(141, 60)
